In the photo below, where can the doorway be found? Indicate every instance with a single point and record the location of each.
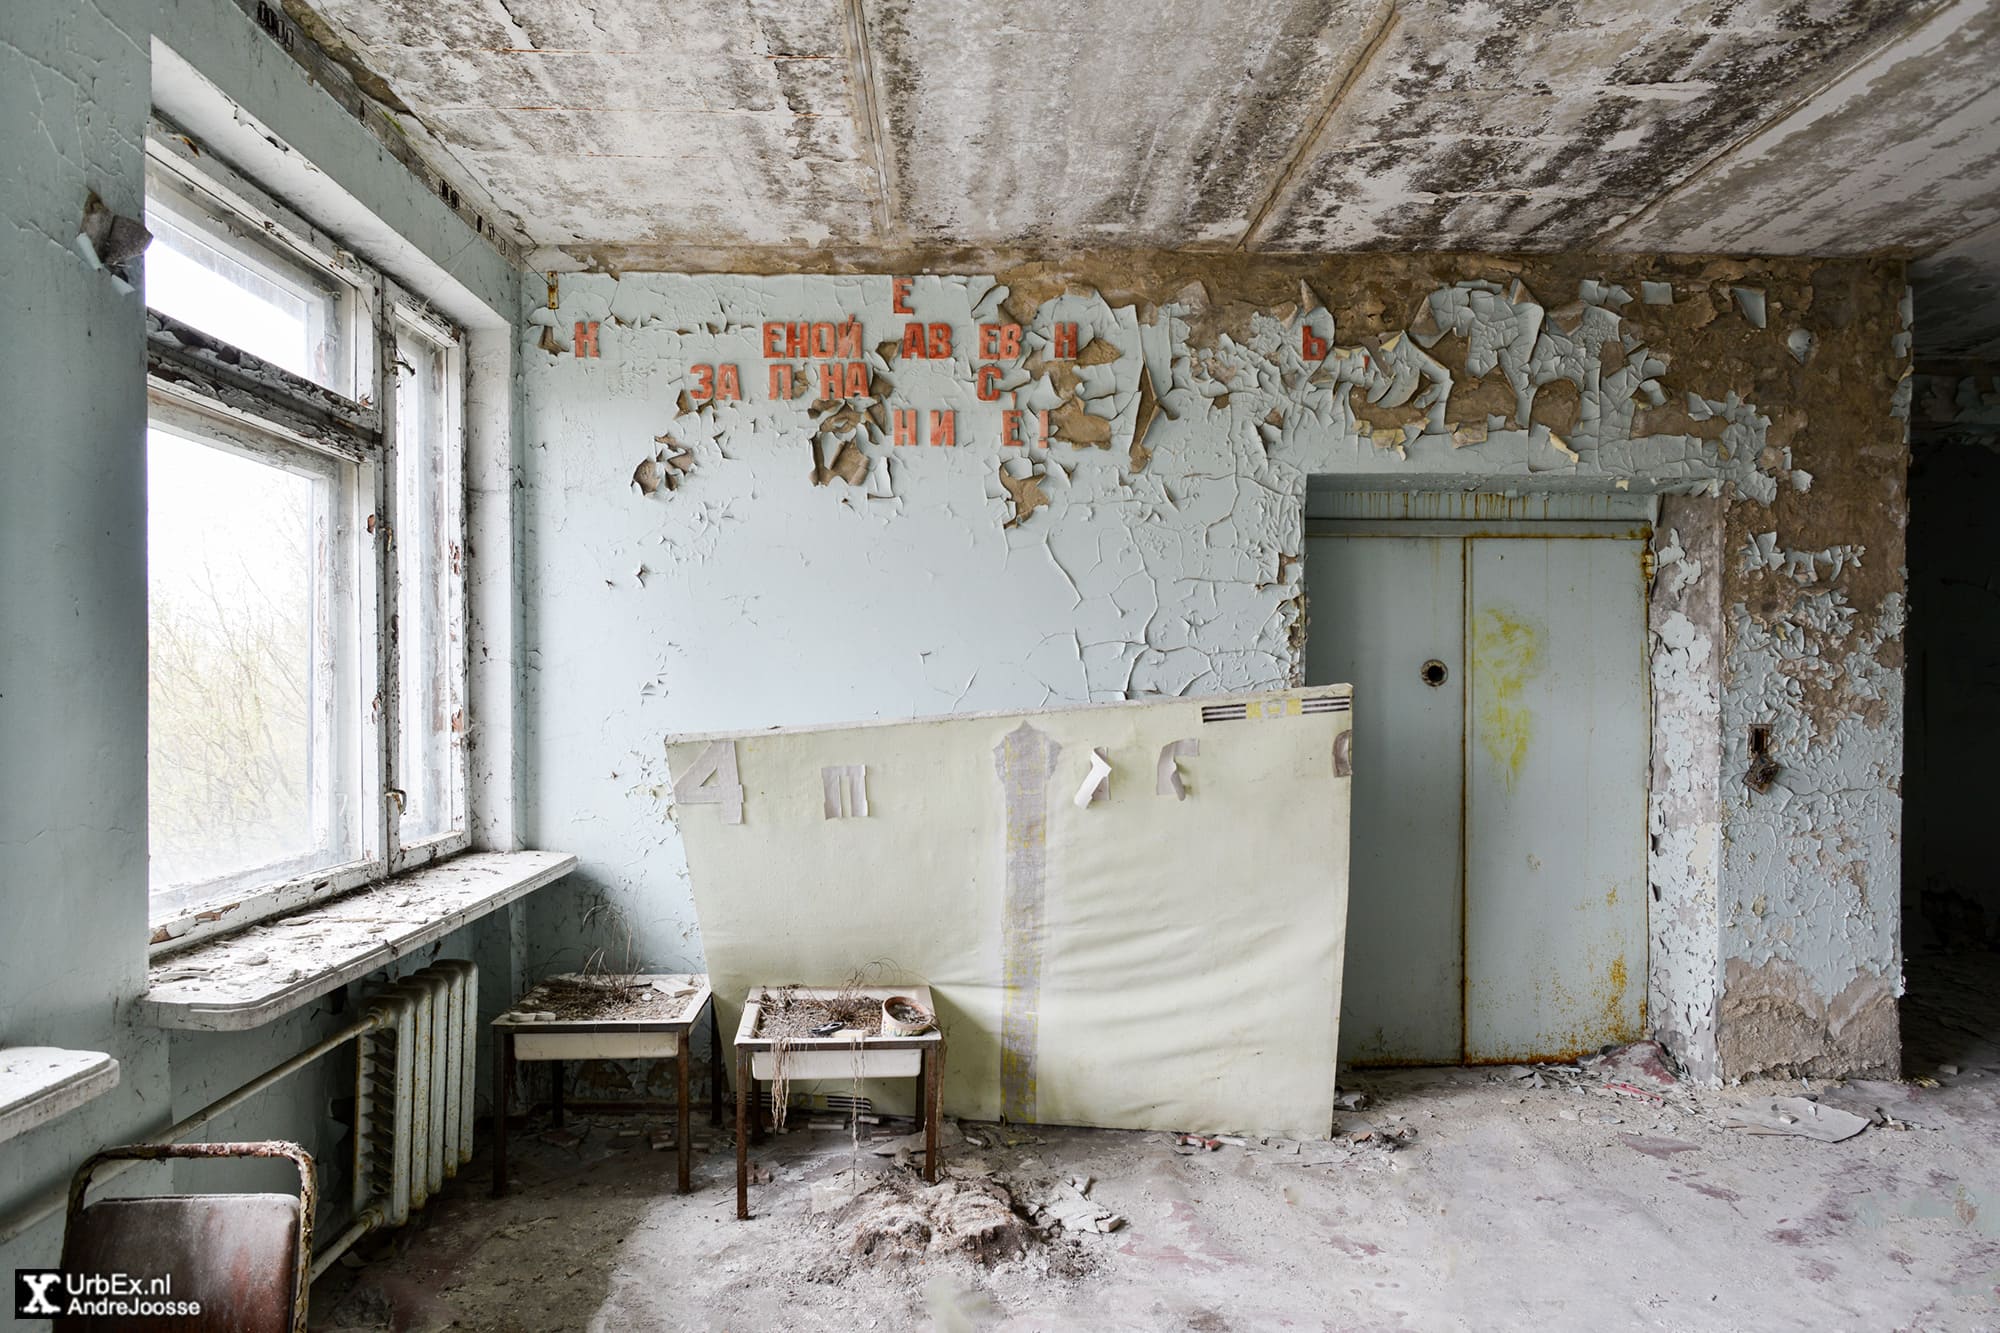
(1497, 900)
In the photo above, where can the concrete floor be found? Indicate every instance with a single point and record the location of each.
(1561, 1206)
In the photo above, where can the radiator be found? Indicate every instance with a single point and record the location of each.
(413, 1090)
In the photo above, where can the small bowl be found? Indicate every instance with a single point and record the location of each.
(904, 1017)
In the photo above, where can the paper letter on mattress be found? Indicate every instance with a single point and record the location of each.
(1097, 783)
(717, 762)
(1167, 780)
(845, 788)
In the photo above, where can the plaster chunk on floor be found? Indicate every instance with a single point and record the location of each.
(900, 1218)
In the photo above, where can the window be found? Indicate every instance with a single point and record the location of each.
(305, 518)
(251, 728)
(212, 269)
(428, 583)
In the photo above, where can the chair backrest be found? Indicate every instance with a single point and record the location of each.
(198, 1263)
(235, 1255)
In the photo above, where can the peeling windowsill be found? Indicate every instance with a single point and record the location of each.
(247, 979)
(40, 1083)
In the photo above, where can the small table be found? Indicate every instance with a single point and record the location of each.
(838, 1056)
(527, 1033)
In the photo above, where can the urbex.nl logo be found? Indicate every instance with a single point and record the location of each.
(37, 1292)
(46, 1293)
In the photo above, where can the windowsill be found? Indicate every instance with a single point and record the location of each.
(229, 914)
(245, 980)
(40, 1083)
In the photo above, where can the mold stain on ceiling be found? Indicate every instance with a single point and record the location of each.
(636, 133)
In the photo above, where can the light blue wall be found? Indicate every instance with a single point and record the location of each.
(75, 92)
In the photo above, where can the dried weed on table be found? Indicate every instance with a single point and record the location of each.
(600, 996)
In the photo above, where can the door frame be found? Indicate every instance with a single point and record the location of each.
(1631, 529)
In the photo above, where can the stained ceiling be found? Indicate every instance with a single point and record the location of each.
(743, 133)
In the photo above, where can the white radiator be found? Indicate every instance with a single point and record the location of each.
(413, 1094)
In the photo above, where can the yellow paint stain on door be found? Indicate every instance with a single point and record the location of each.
(1506, 654)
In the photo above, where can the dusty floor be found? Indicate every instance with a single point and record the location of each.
(1568, 1205)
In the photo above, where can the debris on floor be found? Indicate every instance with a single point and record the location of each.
(901, 1218)
(1798, 1116)
(907, 1147)
(1867, 1098)
(1643, 1063)
(1067, 1204)
(1654, 1146)
(1499, 1200)
(958, 1309)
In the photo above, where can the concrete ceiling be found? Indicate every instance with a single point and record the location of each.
(707, 133)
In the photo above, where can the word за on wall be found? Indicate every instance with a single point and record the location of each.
(833, 356)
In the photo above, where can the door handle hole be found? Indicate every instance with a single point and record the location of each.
(1435, 673)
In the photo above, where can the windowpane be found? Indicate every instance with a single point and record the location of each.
(244, 292)
(245, 636)
(426, 557)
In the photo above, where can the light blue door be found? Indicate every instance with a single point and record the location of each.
(1379, 608)
(1497, 906)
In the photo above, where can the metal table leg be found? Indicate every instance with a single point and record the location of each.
(556, 1091)
(682, 1146)
(742, 1134)
(714, 1064)
(503, 1085)
(933, 1097)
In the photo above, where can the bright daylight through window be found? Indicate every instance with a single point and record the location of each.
(304, 584)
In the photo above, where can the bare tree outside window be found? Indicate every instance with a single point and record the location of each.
(231, 589)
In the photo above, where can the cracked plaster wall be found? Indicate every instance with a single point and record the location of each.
(699, 565)
(1684, 814)
(1814, 603)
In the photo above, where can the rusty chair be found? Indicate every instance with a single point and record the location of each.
(247, 1258)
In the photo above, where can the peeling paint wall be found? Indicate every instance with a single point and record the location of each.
(1684, 814)
(1813, 597)
(701, 562)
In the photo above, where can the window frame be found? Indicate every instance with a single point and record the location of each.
(200, 384)
(401, 309)
(347, 595)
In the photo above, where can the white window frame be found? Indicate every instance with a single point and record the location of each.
(196, 384)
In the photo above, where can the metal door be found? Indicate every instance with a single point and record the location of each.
(1380, 608)
(1497, 906)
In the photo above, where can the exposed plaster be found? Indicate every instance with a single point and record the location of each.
(1078, 567)
(1814, 612)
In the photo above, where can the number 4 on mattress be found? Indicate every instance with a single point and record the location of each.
(712, 781)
